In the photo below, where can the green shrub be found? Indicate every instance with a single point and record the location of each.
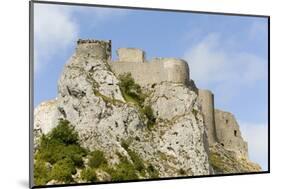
(88, 174)
(57, 146)
(64, 133)
(131, 90)
(123, 171)
(152, 171)
(125, 144)
(138, 162)
(75, 153)
(147, 110)
(97, 159)
(63, 170)
(61, 149)
(41, 173)
(50, 150)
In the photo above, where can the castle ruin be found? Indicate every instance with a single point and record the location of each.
(222, 127)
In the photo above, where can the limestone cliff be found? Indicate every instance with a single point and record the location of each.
(90, 98)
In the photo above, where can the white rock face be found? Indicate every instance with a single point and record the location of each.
(90, 98)
(180, 131)
(45, 119)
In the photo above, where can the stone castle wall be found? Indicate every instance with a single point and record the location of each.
(149, 72)
(130, 55)
(221, 126)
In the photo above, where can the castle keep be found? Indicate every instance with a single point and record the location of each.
(221, 127)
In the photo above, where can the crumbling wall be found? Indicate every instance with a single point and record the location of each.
(228, 133)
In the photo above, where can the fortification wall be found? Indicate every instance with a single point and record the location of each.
(228, 133)
(206, 99)
(147, 73)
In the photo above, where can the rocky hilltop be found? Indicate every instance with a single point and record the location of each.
(154, 130)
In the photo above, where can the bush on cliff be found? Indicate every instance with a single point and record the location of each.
(132, 92)
(97, 159)
(124, 170)
(63, 170)
(60, 148)
(147, 110)
(88, 174)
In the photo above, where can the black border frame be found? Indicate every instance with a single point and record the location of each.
(31, 89)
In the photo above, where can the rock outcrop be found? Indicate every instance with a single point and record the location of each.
(226, 161)
(90, 98)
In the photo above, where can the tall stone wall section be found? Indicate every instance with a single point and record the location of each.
(228, 133)
(206, 98)
(147, 73)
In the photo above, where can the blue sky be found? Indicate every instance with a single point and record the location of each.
(226, 54)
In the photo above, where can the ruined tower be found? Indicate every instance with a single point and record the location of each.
(206, 98)
(96, 48)
(228, 133)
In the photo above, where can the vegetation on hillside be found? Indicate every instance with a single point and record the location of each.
(133, 93)
(60, 156)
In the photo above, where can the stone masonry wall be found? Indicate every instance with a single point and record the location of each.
(229, 134)
(95, 48)
(155, 71)
(206, 98)
(130, 55)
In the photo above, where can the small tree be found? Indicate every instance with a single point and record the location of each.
(64, 133)
(130, 88)
(97, 159)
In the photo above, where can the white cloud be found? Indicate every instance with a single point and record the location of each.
(54, 31)
(257, 137)
(212, 61)
(56, 28)
(217, 65)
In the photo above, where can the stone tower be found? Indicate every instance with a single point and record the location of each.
(229, 134)
(96, 48)
(206, 98)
